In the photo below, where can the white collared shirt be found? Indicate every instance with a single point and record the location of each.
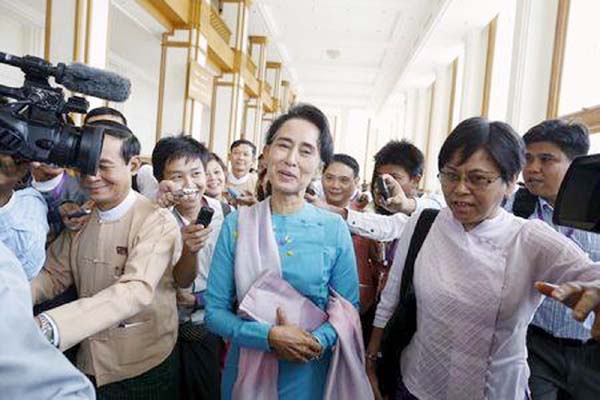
(233, 180)
(116, 213)
(475, 299)
(48, 185)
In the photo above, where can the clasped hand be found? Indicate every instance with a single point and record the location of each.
(292, 343)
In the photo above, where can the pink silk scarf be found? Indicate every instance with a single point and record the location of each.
(261, 290)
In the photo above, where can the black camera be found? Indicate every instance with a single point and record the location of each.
(34, 125)
(382, 188)
(578, 200)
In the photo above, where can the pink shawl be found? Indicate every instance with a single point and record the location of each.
(261, 290)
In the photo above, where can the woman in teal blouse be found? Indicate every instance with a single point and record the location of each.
(315, 251)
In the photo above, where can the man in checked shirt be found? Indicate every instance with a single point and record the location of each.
(564, 361)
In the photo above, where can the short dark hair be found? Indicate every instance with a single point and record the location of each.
(215, 157)
(347, 160)
(571, 137)
(240, 142)
(172, 148)
(131, 145)
(312, 114)
(99, 111)
(403, 154)
(498, 139)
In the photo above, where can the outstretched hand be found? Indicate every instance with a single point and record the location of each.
(581, 297)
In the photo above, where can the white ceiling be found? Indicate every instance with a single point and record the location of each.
(382, 46)
(374, 40)
(446, 37)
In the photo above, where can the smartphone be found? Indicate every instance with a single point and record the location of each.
(81, 213)
(382, 188)
(234, 193)
(205, 216)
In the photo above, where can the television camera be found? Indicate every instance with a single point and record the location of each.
(34, 123)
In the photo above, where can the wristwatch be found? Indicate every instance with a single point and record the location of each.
(46, 328)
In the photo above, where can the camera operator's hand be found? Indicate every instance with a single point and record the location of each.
(194, 238)
(75, 223)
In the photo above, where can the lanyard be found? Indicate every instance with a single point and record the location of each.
(569, 233)
(57, 191)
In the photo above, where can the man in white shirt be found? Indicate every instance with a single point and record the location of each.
(400, 164)
(179, 164)
(242, 155)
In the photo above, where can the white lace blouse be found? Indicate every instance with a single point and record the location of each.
(475, 298)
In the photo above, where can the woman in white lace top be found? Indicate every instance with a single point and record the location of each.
(478, 277)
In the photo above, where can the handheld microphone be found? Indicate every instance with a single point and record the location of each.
(95, 82)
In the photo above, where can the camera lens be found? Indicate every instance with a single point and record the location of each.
(90, 147)
(77, 148)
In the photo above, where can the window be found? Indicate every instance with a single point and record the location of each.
(580, 86)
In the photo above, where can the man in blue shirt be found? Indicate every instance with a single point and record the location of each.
(564, 362)
(30, 366)
(23, 224)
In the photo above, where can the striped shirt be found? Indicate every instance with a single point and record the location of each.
(552, 316)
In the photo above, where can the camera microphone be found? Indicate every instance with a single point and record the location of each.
(95, 82)
(76, 77)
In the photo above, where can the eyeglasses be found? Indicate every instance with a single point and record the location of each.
(473, 180)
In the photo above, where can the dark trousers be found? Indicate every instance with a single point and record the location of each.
(199, 363)
(562, 368)
(159, 383)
